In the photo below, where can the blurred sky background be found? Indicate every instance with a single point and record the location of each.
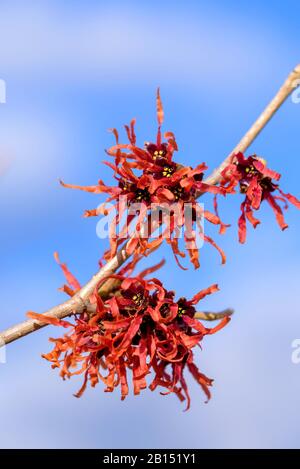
(75, 69)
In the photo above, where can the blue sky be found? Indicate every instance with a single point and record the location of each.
(74, 70)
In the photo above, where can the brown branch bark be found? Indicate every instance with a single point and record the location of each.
(208, 316)
(78, 301)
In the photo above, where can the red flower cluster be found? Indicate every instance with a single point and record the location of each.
(141, 330)
(148, 176)
(258, 183)
(137, 326)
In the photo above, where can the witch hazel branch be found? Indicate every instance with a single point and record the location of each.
(129, 327)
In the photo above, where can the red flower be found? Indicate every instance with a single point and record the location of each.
(258, 183)
(150, 176)
(140, 330)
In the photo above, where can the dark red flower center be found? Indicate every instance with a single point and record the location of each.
(138, 298)
(250, 170)
(167, 171)
(199, 177)
(158, 153)
(185, 308)
(136, 294)
(141, 195)
(178, 192)
(268, 185)
(127, 186)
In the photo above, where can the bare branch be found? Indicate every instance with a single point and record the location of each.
(75, 304)
(78, 301)
(207, 316)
